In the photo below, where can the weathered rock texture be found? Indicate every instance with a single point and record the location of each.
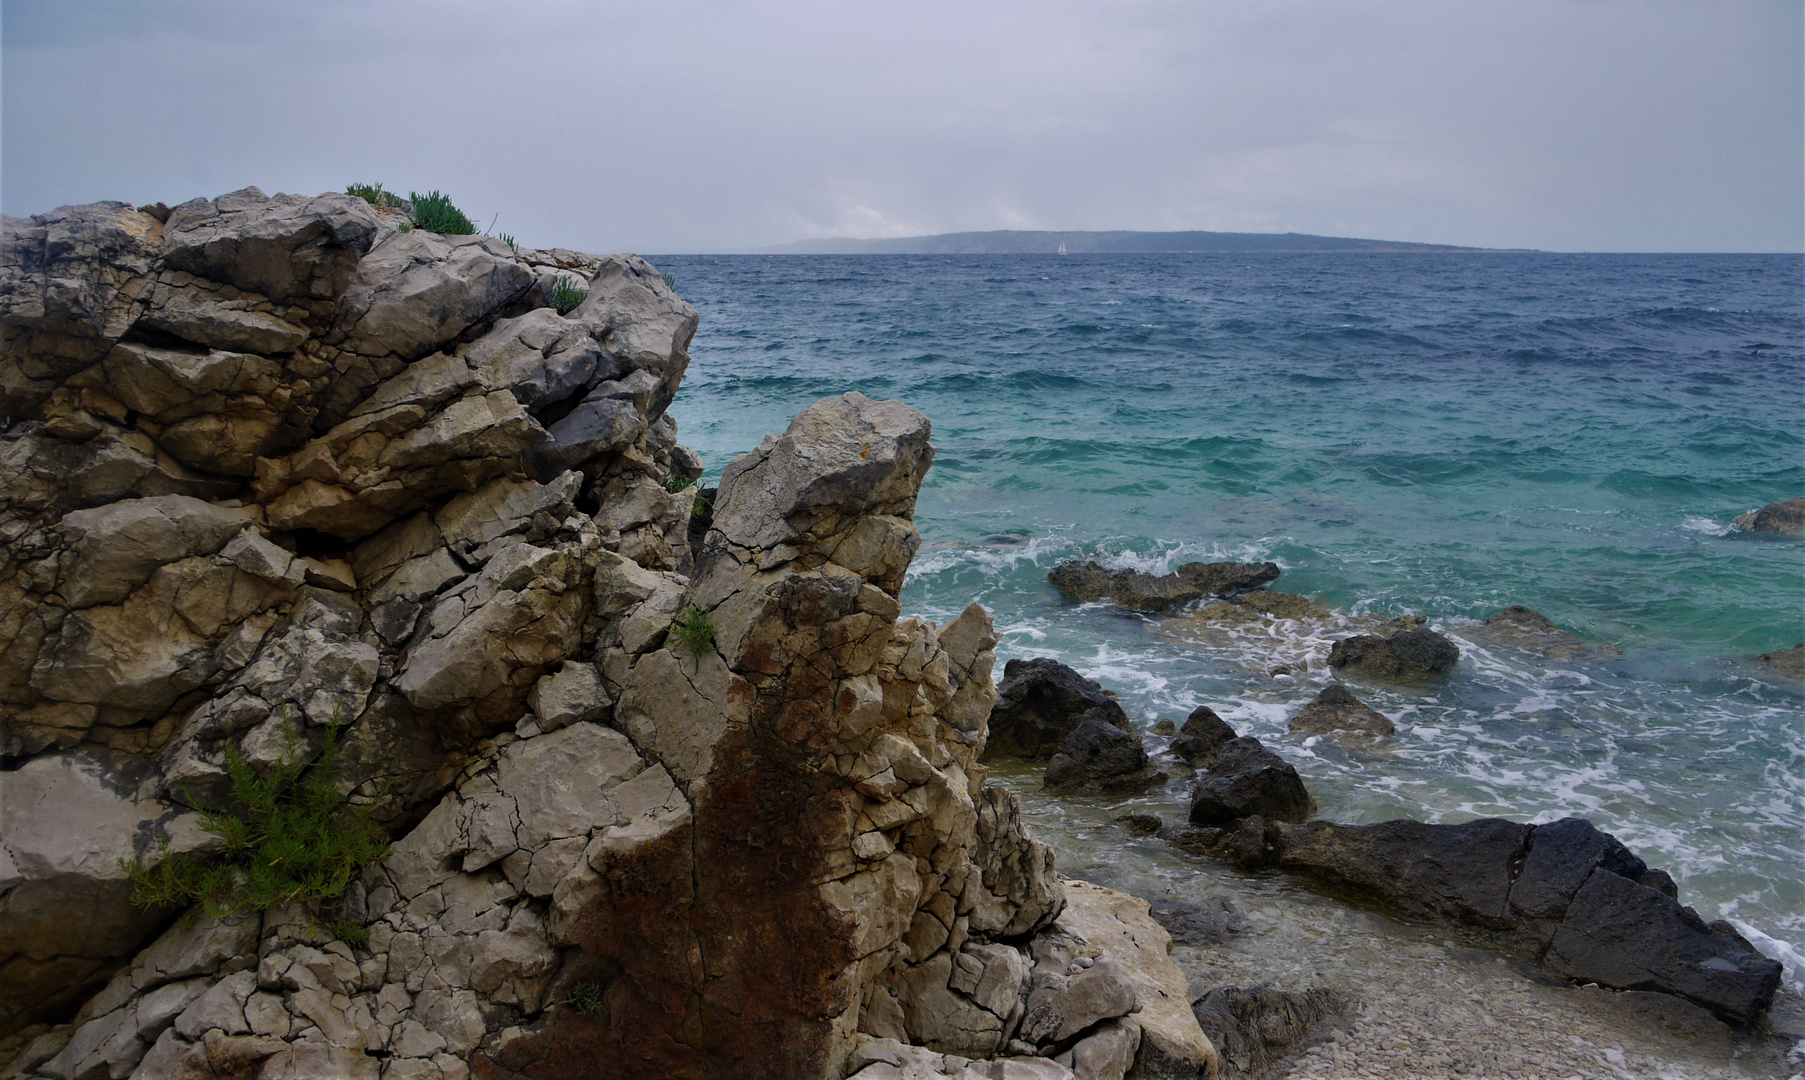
(1785, 518)
(1040, 702)
(1414, 655)
(1563, 893)
(1337, 709)
(273, 464)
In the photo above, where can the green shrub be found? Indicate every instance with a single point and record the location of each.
(290, 840)
(374, 195)
(565, 294)
(509, 240)
(675, 481)
(700, 506)
(435, 213)
(670, 282)
(694, 631)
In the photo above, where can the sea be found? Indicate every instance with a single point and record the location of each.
(1436, 434)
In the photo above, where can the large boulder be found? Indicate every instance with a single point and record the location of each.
(1783, 518)
(1202, 737)
(1563, 893)
(1086, 581)
(1337, 709)
(1246, 780)
(1040, 702)
(1410, 656)
(1098, 757)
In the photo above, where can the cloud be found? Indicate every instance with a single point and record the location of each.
(1600, 125)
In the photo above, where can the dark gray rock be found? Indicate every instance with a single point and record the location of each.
(1098, 757)
(1630, 937)
(1202, 738)
(599, 424)
(1248, 779)
(1455, 873)
(1255, 1027)
(1206, 922)
(1039, 703)
(1784, 518)
(1561, 856)
(1142, 824)
(1337, 709)
(1087, 581)
(1411, 656)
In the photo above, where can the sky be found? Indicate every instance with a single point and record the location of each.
(669, 126)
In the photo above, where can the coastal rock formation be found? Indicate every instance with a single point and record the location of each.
(680, 802)
(1141, 591)
(1564, 894)
(1245, 780)
(1522, 628)
(1783, 518)
(1408, 656)
(1337, 709)
(1040, 702)
(1097, 758)
(1789, 664)
(1202, 738)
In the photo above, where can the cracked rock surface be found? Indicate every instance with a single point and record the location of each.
(272, 464)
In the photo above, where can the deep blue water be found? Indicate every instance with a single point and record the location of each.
(1445, 434)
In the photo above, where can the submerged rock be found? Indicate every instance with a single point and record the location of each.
(1789, 664)
(1141, 591)
(1256, 1027)
(1409, 656)
(1040, 702)
(1259, 604)
(1783, 518)
(1521, 628)
(1337, 709)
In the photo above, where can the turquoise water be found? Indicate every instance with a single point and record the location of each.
(1447, 435)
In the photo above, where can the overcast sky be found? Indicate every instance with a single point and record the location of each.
(667, 126)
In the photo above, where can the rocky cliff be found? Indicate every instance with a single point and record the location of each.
(282, 472)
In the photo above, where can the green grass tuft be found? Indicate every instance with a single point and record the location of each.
(675, 481)
(434, 212)
(565, 294)
(670, 282)
(585, 999)
(374, 195)
(694, 631)
(509, 240)
(291, 840)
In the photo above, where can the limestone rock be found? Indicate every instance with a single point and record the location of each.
(287, 247)
(1121, 928)
(1410, 656)
(1337, 709)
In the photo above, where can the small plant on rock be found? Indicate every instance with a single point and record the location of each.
(374, 195)
(508, 239)
(565, 295)
(289, 840)
(675, 481)
(585, 998)
(670, 282)
(434, 212)
(693, 631)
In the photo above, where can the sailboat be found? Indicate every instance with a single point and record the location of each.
(1062, 249)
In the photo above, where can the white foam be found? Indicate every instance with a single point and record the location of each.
(1792, 961)
(1705, 525)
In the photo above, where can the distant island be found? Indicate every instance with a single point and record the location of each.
(1035, 242)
